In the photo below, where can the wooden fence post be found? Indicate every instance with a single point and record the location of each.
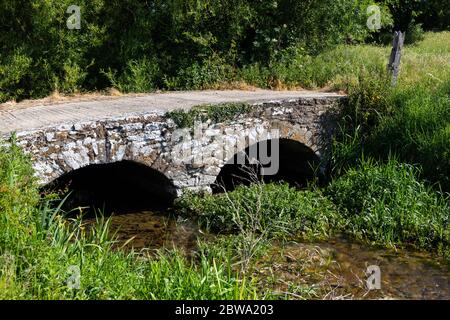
(396, 52)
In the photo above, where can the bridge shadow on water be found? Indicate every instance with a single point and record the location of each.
(120, 187)
(298, 165)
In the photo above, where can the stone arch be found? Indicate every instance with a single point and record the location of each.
(298, 162)
(216, 154)
(306, 135)
(120, 187)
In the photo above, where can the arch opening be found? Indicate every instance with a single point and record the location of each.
(297, 165)
(119, 187)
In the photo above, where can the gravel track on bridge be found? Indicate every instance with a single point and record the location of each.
(43, 115)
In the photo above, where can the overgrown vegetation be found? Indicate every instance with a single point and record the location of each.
(216, 113)
(38, 247)
(381, 204)
(410, 121)
(386, 204)
(141, 46)
(275, 210)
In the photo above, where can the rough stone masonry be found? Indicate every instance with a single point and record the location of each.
(68, 136)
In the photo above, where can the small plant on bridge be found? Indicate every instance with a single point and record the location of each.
(216, 113)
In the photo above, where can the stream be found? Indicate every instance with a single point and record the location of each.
(339, 264)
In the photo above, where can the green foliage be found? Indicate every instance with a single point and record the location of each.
(143, 46)
(418, 131)
(211, 72)
(18, 196)
(138, 76)
(410, 123)
(56, 58)
(388, 205)
(13, 71)
(217, 113)
(436, 15)
(415, 33)
(368, 102)
(338, 68)
(72, 79)
(273, 209)
(408, 14)
(403, 11)
(147, 45)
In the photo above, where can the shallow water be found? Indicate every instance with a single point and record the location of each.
(403, 274)
(149, 230)
(342, 263)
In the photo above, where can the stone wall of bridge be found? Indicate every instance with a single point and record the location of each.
(154, 139)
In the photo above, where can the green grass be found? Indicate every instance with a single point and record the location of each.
(417, 130)
(426, 62)
(410, 121)
(275, 210)
(382, 204)
(386, 204)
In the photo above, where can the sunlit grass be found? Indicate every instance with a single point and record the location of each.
(427, 61)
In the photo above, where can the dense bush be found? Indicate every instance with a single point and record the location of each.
(388, 205)
(274, 209)
(415, 33)
(141, 46)
(144, 45)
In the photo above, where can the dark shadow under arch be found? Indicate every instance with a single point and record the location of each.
(297, 166)
(118, 187)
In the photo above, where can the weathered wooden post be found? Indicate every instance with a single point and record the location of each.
(396, 52)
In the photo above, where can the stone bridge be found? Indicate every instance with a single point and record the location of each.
(63, 137)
